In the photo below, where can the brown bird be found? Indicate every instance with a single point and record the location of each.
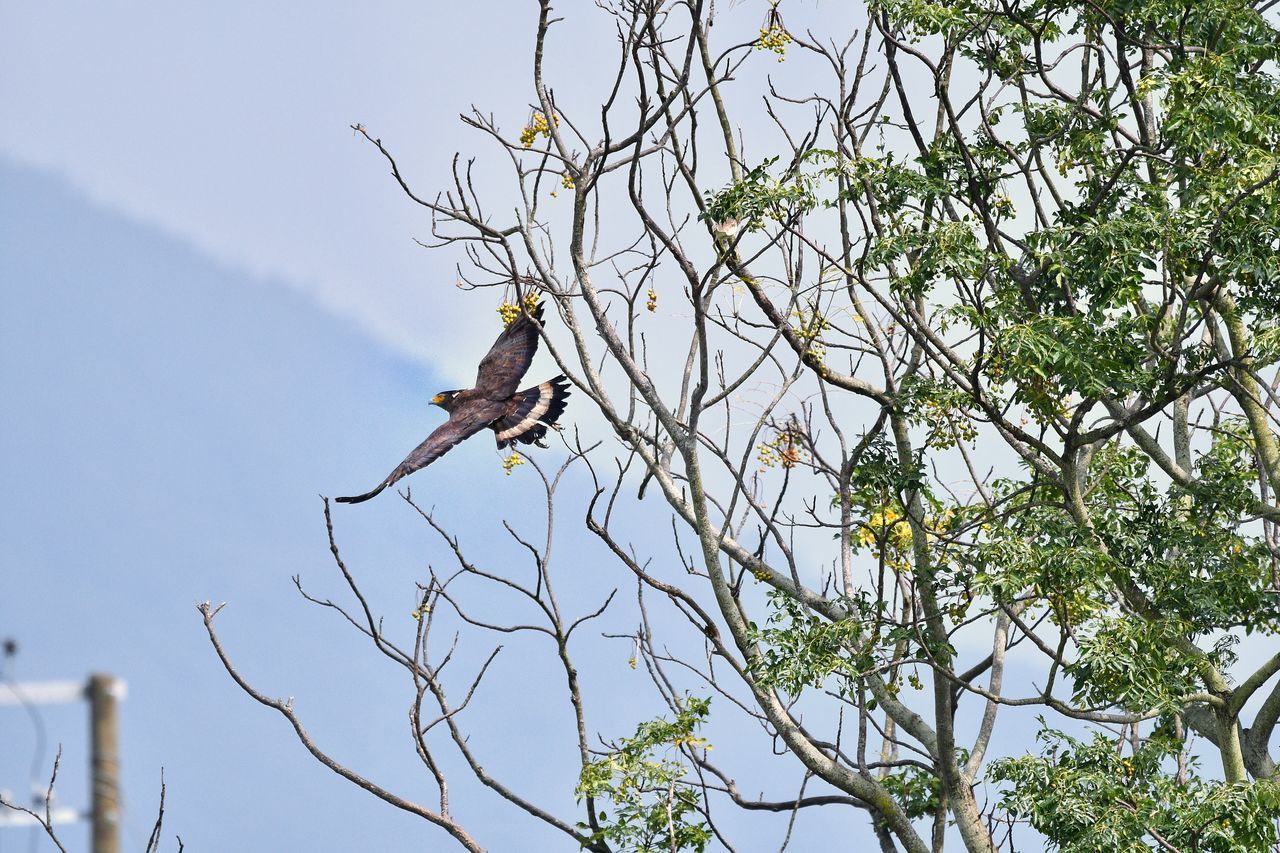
(514, 416)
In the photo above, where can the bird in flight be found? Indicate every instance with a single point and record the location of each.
(514, 416)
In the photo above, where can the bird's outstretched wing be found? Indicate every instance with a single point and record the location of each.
(510, 356)
(463, 424)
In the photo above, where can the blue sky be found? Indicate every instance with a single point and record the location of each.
(170, 423)
(226, 126)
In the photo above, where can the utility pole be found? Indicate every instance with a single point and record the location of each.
(104, 762)
(104, 693)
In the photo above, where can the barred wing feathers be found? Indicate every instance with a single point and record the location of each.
(531, 411)
(510, 356)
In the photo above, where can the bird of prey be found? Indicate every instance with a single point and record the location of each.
(514, 416)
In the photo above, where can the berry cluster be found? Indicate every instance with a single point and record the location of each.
(946, 431)
(509, 311)
(536, 127)
(809, 328)
(566, 181)
(512, 462)
(785, 449)
(775, 38)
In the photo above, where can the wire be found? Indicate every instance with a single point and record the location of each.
(37, 723)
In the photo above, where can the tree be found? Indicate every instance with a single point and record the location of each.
(970, 361)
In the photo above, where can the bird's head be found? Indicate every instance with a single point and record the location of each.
(445, 399)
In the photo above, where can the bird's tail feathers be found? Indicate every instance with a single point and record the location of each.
(540, 407)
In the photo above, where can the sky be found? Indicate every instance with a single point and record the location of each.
(227, 126)
(214, 311)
